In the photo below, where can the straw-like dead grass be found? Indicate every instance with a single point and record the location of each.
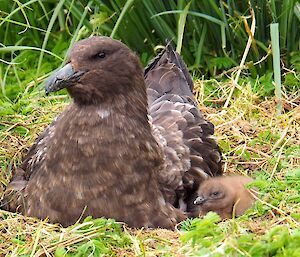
(255, 142)
(251, 132)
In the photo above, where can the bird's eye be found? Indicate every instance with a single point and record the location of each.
(215, 193)
(101, 55)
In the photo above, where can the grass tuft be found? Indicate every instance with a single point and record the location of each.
(255, 142)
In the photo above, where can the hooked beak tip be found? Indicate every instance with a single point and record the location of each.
(62, 78)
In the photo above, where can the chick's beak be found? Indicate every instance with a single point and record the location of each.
(200, 200)
(62, 78)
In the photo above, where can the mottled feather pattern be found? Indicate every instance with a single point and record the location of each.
(131, 146)
(14, 195)
(191, 152)
(52, 177)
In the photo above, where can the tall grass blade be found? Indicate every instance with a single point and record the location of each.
(61, 19)
(283, 22)
(221, 31)
(43, 8)
(200, 46)
(123, 12)
(7, 49)
(23, 25)
(276, 64)
(297, 10)
(51, 23)
(16, 10)
(248, 45)
(181, 26)
(77, 13)
(76, 34)
(201, 15)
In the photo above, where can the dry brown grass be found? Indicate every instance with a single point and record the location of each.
(239, 125)
(240, 130)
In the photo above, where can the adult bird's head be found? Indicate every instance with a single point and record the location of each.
(98, 68)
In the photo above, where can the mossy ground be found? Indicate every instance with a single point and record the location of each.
(255, 141)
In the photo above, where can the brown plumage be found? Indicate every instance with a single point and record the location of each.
(226, 196)
(191, 152)
(105, 155)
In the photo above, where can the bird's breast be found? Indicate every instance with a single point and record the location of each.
(98, 139)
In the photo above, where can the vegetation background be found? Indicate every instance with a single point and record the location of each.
(228, 48)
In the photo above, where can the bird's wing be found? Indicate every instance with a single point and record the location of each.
(37, 151)
(13, 199)
(191, 152)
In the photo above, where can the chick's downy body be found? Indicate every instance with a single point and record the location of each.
(226, 196)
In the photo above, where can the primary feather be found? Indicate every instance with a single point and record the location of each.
(191, 152)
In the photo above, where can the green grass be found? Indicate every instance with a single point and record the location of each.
(254, 140)
(212, 37)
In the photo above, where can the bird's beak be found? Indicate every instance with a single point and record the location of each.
(62, 78)
(200, 200)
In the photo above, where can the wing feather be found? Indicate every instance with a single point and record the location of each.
(191, 153)
(13, 199)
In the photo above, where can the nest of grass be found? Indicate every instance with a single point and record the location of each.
(255, 141)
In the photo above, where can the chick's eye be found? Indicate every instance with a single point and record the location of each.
(215, 193)
(101, 55)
